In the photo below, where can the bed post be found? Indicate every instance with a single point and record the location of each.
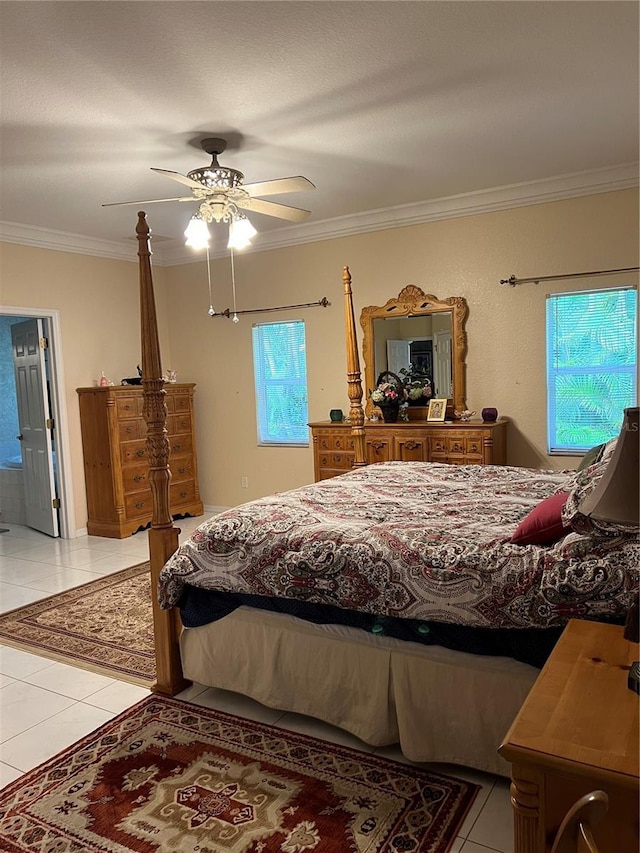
(354, 380)
(163, 536)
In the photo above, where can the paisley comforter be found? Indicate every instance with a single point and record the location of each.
(413, 540)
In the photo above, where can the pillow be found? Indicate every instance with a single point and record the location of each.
(544, 524)
(591, 456)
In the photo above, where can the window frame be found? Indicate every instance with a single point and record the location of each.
(261, 382)
(553, 372)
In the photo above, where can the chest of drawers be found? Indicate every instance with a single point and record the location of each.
(459, 443)
(115, 458)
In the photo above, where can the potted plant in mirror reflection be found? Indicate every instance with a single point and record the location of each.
(417, 385)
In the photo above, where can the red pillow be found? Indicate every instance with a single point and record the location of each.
(544, 524)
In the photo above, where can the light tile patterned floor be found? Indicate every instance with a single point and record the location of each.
(47, 706)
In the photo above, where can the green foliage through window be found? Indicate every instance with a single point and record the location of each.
(280, 372)
(592, 355)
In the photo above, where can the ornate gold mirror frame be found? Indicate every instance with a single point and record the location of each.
(413, 302)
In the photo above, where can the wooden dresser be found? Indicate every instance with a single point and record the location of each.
(457, 443)
(577, 732)
(115, 464)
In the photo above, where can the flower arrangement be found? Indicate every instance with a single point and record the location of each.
(417, 385)
(386, 393)
(390, 390)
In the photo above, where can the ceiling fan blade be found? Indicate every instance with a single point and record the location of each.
(176, 176)
(280, 185)
(271, 208)
(149, 201)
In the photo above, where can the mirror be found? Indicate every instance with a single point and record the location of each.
(418, 331)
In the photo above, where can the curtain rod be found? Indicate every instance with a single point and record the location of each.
(323, 303)
(513, 281)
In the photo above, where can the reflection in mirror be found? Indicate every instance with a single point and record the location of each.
(419, 334)
(418, 346)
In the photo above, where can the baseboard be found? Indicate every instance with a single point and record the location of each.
(215, 510)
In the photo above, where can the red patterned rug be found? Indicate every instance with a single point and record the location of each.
(167, 775)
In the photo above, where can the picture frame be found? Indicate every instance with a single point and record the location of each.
(437, 409)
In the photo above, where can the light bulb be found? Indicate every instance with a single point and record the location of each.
(235, 318)
(197, 233)
(240, 232)
(211, 311)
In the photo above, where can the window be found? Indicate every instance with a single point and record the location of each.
(592, 355)
(280, 371)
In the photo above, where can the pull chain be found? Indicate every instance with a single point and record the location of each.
(235, 317)
(211, 308)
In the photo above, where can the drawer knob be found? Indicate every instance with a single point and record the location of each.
(182, 470)
(183, 494)
(138, 479)
(140, 452)
(139, 504)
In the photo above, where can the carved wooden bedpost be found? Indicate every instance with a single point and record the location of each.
(163, 536)
(354, 379)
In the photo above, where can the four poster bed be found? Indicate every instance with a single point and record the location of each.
(394, 601)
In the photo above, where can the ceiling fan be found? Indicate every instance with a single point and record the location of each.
(223, 193)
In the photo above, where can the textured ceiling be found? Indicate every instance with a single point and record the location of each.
(379, 104)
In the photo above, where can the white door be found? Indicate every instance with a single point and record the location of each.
(442, 364)
(398, 355)
(36, 425)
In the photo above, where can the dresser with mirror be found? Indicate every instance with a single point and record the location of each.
(414, 330)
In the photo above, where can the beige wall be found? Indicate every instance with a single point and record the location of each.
(98, 304)
(462, 257)
(466, 257)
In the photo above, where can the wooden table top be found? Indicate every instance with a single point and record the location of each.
(580, 715)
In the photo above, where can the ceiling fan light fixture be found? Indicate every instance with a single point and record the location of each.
(216, 176)
(216, 209)
(197, 233)
(241, 232)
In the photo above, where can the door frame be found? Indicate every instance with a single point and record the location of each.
(438, 337)
(63, 446)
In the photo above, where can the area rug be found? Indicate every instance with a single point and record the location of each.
(167, 775)
(105, 626)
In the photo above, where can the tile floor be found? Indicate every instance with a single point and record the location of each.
(46, 706)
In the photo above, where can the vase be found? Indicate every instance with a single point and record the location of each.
(489, 415)
(390, 413)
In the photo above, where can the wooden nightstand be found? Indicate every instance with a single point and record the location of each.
(576, 732)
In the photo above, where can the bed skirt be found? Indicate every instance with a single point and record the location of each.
(439, 705)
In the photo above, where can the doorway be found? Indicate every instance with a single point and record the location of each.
(12, 479)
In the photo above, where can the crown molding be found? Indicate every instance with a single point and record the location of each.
(574, 185)
(63, 241)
